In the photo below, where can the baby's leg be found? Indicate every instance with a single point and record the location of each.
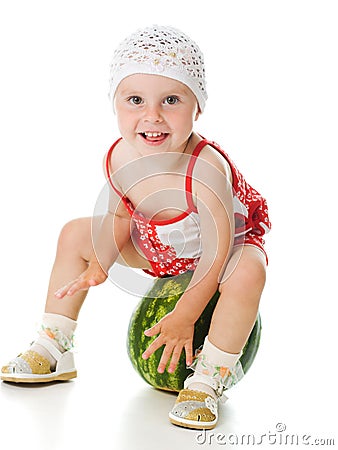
(240, 292)
(74, 250)
(236, 310)
(232, 321)
(59, 321)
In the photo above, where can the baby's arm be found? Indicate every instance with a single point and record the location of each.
(214, 194)
(213, 191)
(110, 233)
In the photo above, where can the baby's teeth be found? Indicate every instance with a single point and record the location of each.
(153, 134)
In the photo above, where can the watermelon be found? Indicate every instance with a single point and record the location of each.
(159, 301)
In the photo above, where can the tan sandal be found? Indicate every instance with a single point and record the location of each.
(194, 409)
(31, 367)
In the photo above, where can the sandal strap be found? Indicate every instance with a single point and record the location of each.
(199, 378)
(49, 347)
(212, 382)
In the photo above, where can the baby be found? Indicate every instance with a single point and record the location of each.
(176, 203)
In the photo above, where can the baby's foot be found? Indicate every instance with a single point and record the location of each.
(27, 362)
(49, 358)
(194, 409)
(33, 367)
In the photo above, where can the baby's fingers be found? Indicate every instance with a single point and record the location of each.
(60, 293)
(156, 344)
(81, 285)
(174, 359)
(73, 287)
(168, 350)
(188, 354)
(153, 330)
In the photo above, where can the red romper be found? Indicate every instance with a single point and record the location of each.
(161, 240)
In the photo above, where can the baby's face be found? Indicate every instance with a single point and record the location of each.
(155, 113)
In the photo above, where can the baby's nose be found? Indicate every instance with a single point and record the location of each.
(153, 114)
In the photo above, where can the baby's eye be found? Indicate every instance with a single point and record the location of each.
(171, 100)
(135, 100)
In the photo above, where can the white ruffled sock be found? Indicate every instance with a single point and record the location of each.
(215, 357)
(59, 330)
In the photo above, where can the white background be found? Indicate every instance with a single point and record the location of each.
(272, 83)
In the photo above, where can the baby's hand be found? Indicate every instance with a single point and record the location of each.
(175, 333)
(92, 276)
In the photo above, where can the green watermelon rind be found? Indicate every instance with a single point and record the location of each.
(159, 301)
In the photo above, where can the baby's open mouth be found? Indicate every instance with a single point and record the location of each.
(154, 136)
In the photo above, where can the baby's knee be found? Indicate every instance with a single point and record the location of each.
(74, 232)
(248, 276)
(253, 275)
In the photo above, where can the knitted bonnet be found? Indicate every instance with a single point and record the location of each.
(160, 50)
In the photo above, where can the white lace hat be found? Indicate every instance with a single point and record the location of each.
(160, 50)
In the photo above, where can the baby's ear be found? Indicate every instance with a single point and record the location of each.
(197, 113)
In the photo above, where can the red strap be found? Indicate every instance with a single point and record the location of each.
(108, 174)
(188, 179)
(192, 162)
(107, 167)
